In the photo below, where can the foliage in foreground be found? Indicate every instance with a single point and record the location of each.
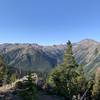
(96, 87)
(28, 90)
(68, 79)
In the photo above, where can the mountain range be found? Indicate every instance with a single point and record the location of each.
(34, 57)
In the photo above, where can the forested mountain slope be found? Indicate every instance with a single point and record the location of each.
(34, 57)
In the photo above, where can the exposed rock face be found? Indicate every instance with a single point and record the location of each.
(33, 57)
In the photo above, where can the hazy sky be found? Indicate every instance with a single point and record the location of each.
(49, 21)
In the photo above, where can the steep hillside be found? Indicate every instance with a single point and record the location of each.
(87, 52)
(31, 56)
(43, 58)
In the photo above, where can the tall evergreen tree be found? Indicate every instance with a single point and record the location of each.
(64, 77)
(69, 59)
(3, 70)
(68, 78)
(30, 91)
(96, 87)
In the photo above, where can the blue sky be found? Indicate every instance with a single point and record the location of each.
(49, 21)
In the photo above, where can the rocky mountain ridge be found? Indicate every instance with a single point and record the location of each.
(33, 57)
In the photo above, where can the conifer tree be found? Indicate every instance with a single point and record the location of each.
(96, 87)
(69, 59)
(68, 78)
(3, 70)
(30, 91)
(64, 77)
(13, 78)
(31, 87)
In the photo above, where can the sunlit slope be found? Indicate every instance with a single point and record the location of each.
(43, 58)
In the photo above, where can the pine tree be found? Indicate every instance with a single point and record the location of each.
(3, 70)
(69, 59)
(31, 87)
(96, 87)
(29, 91)
(64, 77)
(13, 78)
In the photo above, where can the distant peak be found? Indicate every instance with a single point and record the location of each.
(88, 41)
